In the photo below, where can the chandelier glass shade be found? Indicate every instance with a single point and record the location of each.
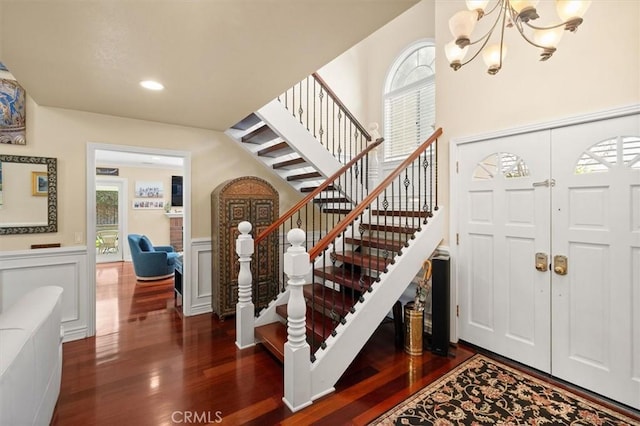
(506, 14)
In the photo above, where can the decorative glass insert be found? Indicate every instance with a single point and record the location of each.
(621, 151)
(506, 164)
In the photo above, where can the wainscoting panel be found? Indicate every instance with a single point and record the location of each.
(23, 271)
(201, 273)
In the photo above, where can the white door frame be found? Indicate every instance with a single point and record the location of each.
(91, 221)
(454, 183)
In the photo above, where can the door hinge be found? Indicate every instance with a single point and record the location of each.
(457, 168)
(457, 310)
(457, 239)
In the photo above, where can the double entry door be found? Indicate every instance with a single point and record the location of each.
(549, 252)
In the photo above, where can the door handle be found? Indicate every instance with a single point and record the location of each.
(546, 183)
(560, 264)
(542, 260)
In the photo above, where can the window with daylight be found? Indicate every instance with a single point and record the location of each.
(504, 164)
(622, 151)
(410, 101)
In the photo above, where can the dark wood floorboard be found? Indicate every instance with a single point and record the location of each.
(149, 365)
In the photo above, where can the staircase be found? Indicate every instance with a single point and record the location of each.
(364, 245)
(305, 136)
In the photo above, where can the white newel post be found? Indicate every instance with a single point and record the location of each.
(297, 353)
(245, 311)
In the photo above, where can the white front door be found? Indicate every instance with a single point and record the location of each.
(582, 326)
(504, 221)
(596, 225)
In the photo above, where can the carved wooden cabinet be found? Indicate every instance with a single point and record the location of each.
(254, 200)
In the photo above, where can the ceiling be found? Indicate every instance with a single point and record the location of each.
(219, 60)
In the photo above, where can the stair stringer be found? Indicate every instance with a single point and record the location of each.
(350, 337)
(268, 315)
(280, 120)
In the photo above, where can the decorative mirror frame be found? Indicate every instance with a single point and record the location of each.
(52, 195)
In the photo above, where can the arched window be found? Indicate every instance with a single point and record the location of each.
(410, 101)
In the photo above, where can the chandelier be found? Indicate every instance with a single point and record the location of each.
(509, 13)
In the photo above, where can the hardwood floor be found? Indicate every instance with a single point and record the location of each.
(149, 365)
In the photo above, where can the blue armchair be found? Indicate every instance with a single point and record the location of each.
(151, 262)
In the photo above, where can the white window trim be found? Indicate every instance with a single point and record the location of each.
(387, 165)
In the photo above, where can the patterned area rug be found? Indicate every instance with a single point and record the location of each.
(482, 391)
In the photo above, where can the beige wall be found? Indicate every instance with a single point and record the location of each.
(596, 68)
(372, 58)
(60, 133)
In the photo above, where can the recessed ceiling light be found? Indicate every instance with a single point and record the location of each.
(151, 85)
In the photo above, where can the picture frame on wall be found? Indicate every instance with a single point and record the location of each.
(39, 184)
(149, 189)
(147, 204)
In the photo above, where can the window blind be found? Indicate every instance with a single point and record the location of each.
(409, 118)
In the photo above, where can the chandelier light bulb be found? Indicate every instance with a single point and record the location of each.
(520, 5)
(548, 38)
(572, 11)
(461, 25)
(477, 5)
(455, 54)
(491, 56)
(526, 9)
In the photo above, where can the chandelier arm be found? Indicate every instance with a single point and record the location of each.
(533, 27)
(520, 28)
(487, 35)
(486, 40)
(504, 18)
(484, 43)
(495, 6)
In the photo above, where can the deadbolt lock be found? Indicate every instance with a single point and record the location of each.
(560, 264)
(542, 260)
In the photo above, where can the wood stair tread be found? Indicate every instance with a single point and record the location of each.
(289, 163)
(276, 149)
(247, 122)
(273, 336)
(262, 134)
(325, 297)
(312, 188)
(344, 277)
(398, 229)
(398, 213)
(363, 260)
(303, 176)
(376, 242)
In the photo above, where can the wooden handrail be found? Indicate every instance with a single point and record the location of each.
(337, 100)
(349, 218)
(275, 225)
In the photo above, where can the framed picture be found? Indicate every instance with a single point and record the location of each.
(149, 189)
(146, 204)
(39, 184)
(107, 171)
